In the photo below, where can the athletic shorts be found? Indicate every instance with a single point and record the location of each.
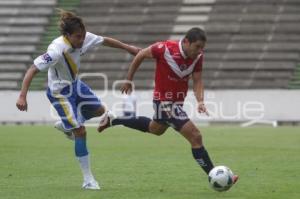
(170, 113)
(129, 114)
(75, 104)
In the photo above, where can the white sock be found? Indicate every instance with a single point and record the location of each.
(84, 162)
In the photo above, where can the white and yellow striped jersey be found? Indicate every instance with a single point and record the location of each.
(63, 61)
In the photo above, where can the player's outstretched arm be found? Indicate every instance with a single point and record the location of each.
(22, 101)
(198, 89)
(136, 62)
(114, 43)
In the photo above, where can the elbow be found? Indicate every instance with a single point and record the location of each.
(33, 70)
(145, 53)
(107, 41)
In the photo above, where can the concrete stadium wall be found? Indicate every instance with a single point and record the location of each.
(223, 106)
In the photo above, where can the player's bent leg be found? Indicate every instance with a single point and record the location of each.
(90, 105)
(157, 128)
(82, 155)
(139, 123)
(192, 134)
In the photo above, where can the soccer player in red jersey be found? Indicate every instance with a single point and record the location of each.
(176, 61)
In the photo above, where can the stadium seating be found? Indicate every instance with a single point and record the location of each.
(251, 43)
(136, 22)
(22, 24)
(252, 39)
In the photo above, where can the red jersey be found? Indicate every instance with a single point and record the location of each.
(173, 70)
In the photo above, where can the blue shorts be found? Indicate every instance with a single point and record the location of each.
(170, 114)
(74, 104)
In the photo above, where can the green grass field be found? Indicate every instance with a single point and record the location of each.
(37, 162)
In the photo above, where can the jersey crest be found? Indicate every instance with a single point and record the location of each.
(182, 70)
(47, 58)
(183, 67)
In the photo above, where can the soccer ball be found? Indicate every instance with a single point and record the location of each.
(220, 178)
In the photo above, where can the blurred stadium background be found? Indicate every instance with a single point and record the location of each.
(252, 53)
(251, 75)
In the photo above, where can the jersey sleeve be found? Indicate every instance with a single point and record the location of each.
(157, 49)
(198, 66)
(48, 59)
(92, 40)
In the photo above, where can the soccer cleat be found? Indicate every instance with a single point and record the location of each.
(235, 178)
(59, 126)
(92, 185)
(106, 121)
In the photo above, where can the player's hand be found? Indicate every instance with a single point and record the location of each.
(126, 87)
(202, 108)
(22, 104)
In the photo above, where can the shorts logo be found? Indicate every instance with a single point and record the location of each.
(47, 58)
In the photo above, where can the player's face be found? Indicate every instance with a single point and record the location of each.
(194, 49)
(77, 38)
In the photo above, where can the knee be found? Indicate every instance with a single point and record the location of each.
(80, 132)
(100, 111)
(158, 132)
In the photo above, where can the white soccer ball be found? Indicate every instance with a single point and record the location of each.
(220, 178)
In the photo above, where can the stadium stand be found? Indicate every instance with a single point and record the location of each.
(136, 22)
(251, 43)
(22, 24)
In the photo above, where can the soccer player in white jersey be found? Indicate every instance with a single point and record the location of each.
(73, 100)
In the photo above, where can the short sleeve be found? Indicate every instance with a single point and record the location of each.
(198, 66)
(157, 49)
(92, 40)
(46, 60)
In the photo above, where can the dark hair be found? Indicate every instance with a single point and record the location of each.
(195, 34)
(69, 22)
